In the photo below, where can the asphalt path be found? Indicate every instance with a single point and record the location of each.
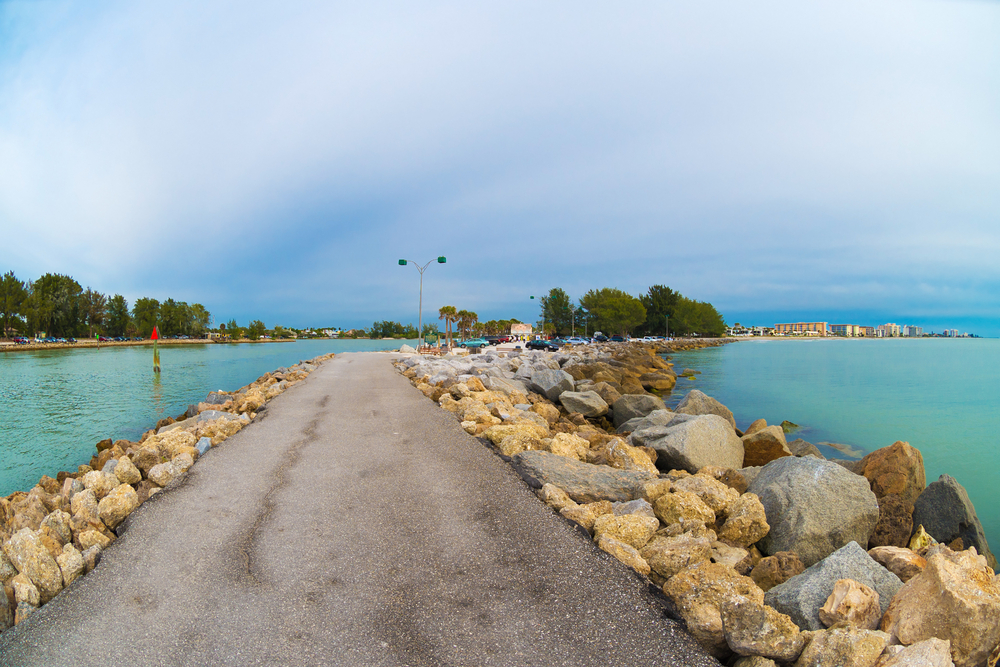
(353, 523)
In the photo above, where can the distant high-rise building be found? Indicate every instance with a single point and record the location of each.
(913, 332)
(889, 330)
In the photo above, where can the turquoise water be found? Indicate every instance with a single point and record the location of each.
(56, 405)
(940, 395)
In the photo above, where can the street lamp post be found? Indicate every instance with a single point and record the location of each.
(420, 310)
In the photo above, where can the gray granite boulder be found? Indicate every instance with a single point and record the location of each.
(587, 403)
(946, 513)
(814, 507)
(630, 406)
(802, 596)
(583, 482)
(699, 403)
(654, 418)
(503, 385)
(692, 444)
(551, 383)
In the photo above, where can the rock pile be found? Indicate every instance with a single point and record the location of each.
(769, 553)
(54, 533)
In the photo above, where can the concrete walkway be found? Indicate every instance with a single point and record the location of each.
(354, 523)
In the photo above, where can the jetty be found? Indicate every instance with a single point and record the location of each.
(353, 522)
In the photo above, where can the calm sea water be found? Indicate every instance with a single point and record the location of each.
(55, 405)
(940, 395)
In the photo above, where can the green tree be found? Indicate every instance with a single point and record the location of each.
(95, 309)
(612, 310)
(118, 319)
(256, 329)
(53, 305)
(233, 329)
(200, 321)
(557, 310)
(449, 315)
(660, 302)
(145, 314)
(13, 294)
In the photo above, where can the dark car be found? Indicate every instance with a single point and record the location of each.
(541, 345)
(617, 339)
(601, 338)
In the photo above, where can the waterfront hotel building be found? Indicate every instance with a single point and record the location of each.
(807, 328)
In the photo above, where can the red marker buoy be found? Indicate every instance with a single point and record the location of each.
(156, 350)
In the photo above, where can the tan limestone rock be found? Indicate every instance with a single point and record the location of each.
(527, 430)
(57, 525)
(852, 603)
(569, 445)
(965, 609)
(734, 479)
(669, 555)
(587, 514)
(756, 426)
(656, 488)
(673, 507)
(27, 553)
(101, 483)
(126, 472)
(897, 469)
(117, 505)
(902, 562)
(746, 522)
(764, 446)
(71, 564)
(547, 411)
(25, 590)
(517, 443)
(626, 553)
(730, 556)
(90, 538)
(699, 592)
(632, 529)
(617, 453)
(756, 629)
(931, 652)
(842, 647)
(776, 569)
(712, 492)
(921, 539)
(84, 506)
(555, 497)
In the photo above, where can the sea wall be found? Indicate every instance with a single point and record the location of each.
(769, 553)
(55, 533)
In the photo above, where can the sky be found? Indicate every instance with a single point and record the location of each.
(784, 161)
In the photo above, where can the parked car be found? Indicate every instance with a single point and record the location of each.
(617, 339)
(102, 339)
(545, 345)
(577, 340)
(600, 338)
(474, 342)
(20, 341)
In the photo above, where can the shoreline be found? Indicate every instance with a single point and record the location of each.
(751, 541)
(89, 343)
(54, 533)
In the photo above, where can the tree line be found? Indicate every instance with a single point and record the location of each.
(59, 306)
(658, 312)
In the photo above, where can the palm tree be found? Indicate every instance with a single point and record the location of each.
(448, 314)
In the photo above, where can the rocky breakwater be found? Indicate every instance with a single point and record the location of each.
(770, 554)
(55, 533)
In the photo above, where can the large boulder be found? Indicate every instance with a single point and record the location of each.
(756, 629)
(955, 598)
(802, 596)
(667, 556)
(551, 383)
(946, 513)
(505, 386)
(897, 469)
(699, 403)
(587, 403)
(764, 445)
(27, 553)
(632, 529)
(895, 523)
(814, 507)
(583, 482)
(654, 418)
(707, 440)
(630, 406)
(843, 647)
(931, 652)
(700, 591)
(117, 505)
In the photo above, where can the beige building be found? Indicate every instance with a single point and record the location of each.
(803, 328)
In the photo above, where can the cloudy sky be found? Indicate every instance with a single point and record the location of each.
(782, 160)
